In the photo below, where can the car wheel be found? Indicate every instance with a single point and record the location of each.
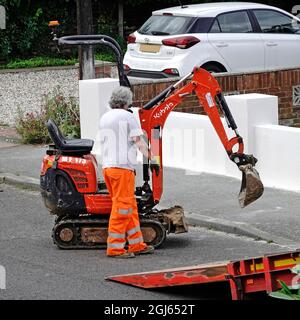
(213, 68)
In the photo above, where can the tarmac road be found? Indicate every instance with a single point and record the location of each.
(36, 269)
(208, 200)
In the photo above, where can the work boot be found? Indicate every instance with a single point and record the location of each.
(125, 255)
(147, 250)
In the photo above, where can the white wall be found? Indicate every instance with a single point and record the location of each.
(278, 151)
(94, 95)
(250, 110)
(190, 141)
(196, 146)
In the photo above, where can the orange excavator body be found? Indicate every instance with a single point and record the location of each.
(69, 174)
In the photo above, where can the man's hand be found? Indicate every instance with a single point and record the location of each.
(154, 165)
(143, 147)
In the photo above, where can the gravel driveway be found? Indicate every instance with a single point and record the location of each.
(26, 88)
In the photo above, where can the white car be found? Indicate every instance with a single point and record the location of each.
(220, 37)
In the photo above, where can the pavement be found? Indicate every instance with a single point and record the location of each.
(209, 200)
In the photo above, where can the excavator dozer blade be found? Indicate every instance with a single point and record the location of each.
(252, 187)
(175, 220)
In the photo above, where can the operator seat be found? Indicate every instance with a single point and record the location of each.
(68, 146)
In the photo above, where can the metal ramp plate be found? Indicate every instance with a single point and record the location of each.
(205, 273)
(244, 276)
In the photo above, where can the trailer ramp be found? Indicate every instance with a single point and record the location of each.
(244, 276)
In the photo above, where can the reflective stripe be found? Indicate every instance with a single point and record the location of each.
(116, 235)
(134, 241)
(133, 231)
(125, 211)
(116, 245)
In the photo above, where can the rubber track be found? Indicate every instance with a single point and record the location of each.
(77, 223)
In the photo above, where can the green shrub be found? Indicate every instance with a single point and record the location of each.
(108, 25)
(63, 110)
(105, 57)
(38, 62)
(27, 33)
(23, 30)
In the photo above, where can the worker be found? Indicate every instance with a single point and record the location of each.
(121, 136)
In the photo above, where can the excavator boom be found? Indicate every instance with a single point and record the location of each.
(155, 113)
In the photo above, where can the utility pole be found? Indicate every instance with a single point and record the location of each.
(85, 26)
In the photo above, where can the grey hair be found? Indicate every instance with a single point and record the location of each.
(120, 97)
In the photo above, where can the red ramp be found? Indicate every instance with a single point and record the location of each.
(244, 276)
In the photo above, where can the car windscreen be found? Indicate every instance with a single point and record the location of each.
(166, 25)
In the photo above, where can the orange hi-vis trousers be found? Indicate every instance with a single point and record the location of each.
(124, 223)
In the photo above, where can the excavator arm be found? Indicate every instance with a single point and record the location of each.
(155, 113)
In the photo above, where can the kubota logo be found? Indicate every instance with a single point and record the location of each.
(167, 107)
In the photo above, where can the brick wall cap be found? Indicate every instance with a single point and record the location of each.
(136, 80)
(226, 74)
(253, 95)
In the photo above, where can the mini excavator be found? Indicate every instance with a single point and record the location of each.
(69, 179)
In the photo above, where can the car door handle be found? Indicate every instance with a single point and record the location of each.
(222, 44)
(272, 44)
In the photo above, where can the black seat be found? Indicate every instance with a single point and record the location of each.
(68, 146)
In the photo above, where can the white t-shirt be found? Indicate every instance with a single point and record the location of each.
(117, 129)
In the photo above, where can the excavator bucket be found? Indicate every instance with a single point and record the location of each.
(252, 187)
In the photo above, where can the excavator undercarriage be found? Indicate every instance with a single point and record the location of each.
(90, 232)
